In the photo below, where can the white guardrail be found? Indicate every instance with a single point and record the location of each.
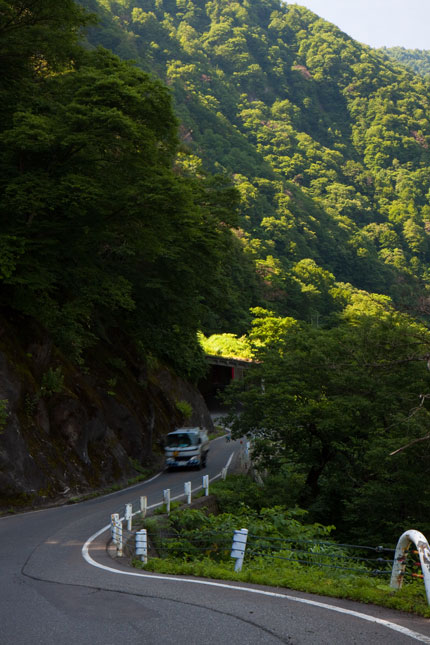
(240, 539)
(399, 564)
(116, 521)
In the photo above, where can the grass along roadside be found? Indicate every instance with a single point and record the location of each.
(192, 551)
(411, 598)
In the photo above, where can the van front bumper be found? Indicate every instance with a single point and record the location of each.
(175, 462)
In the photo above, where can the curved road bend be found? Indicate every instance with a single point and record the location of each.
(51, 595)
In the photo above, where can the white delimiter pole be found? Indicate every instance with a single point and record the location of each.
(114, 519)
(143, 506)
(206, 484)
(187, 491)
(118, 538)
(238, 547)
(128, 515)
(166, 495)
(142, 545)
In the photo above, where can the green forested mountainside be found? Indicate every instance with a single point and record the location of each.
(416, 59)
(273, 183)
(326, 140)
(103, 226)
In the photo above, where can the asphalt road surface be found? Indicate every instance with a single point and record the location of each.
(60, 586)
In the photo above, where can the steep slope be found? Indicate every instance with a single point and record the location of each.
(67, 431)
(117, 243)
(111, 255)
(326, 139)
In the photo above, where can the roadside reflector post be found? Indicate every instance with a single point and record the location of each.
(166, 497)
(206, 484)
(238, 547)
(224, 473)
(114, 519)
(128, 515)
(118, 538)
(142, 545)
(143, 506)
(187, 491)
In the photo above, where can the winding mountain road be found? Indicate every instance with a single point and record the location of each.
(59, 586)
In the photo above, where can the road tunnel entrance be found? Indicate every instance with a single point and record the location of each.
(222, 371)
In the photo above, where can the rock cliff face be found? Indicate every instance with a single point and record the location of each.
(65, 431)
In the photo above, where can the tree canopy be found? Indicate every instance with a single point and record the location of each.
(416, 59)
(326, 140)
(103, 225)
(251, 156)
(328, 407)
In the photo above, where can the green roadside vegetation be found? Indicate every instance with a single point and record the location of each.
(218, 431)
(193, 543)
(338, 416)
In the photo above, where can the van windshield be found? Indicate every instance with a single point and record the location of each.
(181, 440)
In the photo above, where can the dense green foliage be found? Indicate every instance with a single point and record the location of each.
(103, 224)
(416, 59)
(226, 345)
(274, 164)
(191, 531)
(326, 408)
(327, 140)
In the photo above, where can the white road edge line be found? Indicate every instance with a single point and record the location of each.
(54, 508)
(372, 619)
(147, 481)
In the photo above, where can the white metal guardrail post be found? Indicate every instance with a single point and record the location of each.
(238, 547)
(143, 506)
(142, 545)
(128, 515)
(206, 484)
(399, 564)
(187, 491)
(166, 497)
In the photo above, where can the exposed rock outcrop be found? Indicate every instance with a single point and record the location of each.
(66, 432)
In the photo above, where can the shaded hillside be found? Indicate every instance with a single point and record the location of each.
(65, 432)
(326, 139)
(112, 256)
(103, 224)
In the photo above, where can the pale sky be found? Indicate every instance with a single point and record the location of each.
(405, 23)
